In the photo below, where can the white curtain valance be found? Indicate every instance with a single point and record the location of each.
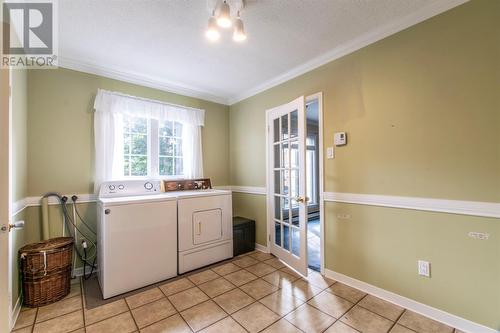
(113, 102)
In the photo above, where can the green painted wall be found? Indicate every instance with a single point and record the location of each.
(19, 134)
(61, 141)
(423, 102)
(421, 109)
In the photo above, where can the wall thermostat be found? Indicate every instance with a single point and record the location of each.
(340, 138)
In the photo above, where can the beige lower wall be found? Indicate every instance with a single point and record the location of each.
(20, 237)
(381, 246)
(252, 206)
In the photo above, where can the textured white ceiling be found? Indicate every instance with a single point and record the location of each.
(162, 41)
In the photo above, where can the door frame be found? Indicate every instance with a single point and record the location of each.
(316, 96)
(5, 200)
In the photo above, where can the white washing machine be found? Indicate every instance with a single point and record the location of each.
(205, 228)
(137, 235)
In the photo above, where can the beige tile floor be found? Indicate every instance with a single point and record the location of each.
(252, 293)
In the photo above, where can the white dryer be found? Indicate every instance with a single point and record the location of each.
(205, 228)
(137, 235)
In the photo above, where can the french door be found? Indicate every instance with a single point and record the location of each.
(286, 190)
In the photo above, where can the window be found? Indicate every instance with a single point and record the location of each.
(139, 137)
(152, 148)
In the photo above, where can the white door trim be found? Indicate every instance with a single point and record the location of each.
(319, 97)
(5, 200)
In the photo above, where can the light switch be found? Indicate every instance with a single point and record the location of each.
(330, 153)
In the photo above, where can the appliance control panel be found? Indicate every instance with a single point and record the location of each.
(129, 188)
(187, 184)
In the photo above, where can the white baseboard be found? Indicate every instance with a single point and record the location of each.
(15, 312)
(425, 310)
(261, 248)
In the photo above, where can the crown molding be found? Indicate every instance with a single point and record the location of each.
(353, 45)
(140, 79)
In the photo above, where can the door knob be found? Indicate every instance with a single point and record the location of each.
(300, 199)
(15, 225)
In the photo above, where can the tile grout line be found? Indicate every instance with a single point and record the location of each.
(238, 287)
(396, 322)
(211, 299)
(131, 314)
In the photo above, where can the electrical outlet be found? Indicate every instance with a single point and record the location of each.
(343, 216)
(424, 268)
(479, 235)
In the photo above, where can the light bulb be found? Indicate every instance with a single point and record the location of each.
(239, 34)
(224, 18)
(212, 33)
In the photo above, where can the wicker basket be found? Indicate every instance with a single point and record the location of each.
(46, 270)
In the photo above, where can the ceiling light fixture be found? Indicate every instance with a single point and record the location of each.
(224, 18)
(220, 16)
(212, 33)
(239, 34)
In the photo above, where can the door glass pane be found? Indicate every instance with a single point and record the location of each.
(286, 237)
(294, 154)
(277, 233)
(294, 183)
(285, 181)
(277, 187)
(294, 129)
(295, 217)
(277, 208)
(286, 215)
(277, 156)
(285, 203)
(276, 130)
(296, 242)
(284, 127)
(286, 155)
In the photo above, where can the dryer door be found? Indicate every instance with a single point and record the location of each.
(207, 226)
(204, 220)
